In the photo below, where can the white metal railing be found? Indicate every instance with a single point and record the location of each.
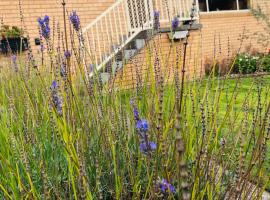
(125, 19)
(169, 9)
(115, 28)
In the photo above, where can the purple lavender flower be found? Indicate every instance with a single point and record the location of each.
(14, 58)
(75, 20)
(136, 113)
(135, 110)
(91, 67)
(56, 99)
(175, 23)
(46, 19)
(63, 72)
(54, 85)
(42, 48)
(147, 147)
(14, 61)
(142, 125)
(45, 26)
(166, 187)
(67, 54)
(156, 20)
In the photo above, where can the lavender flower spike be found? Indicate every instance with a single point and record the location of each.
(145, 148)
(56, 99)
(156, 20)
(175, 23)
(142, 125)
(44, 25)
(75, 20)
(166, 187)
(14, 61)
(67, 54)
(14, 58)
(135, 110)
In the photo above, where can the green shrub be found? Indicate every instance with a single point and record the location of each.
(246, 64)
(266, 63)
(10, 32)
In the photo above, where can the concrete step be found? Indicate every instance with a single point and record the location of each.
(105, 77)
(124, 55)
(116, 66)
(129, 53)
(178, 35)
(139, 43)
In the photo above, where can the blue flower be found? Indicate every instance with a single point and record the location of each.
(166, 187)
(14, 58)
(156, 14)
(45, 26)
(63, 70)
(67, 54)
(40, 21)
(136, 113)
(14, 62)
(54, 85)
(56, 99)
(142, 125)
(145, 148)
(156, 20)
(91, 67)
(175, 23)
(135, 110)
(42, 48)
(75, 20)
(46, 19)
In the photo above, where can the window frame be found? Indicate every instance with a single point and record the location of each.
(220, 11)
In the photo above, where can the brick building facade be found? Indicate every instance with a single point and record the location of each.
(219, 36)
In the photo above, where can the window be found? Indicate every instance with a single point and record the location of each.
(219, 5)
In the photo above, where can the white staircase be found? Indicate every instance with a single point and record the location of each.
(121, 24)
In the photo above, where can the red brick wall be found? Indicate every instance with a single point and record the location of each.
(211, 41)
(220, 35)
(32, 9)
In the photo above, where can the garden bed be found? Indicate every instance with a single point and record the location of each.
(70, 136)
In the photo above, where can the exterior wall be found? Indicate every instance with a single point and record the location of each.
(220, 38)
(88, 10)
(237, 29)
(164, 57)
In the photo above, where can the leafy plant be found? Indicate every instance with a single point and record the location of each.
(246, 63)
(266, 64)
(10, 32)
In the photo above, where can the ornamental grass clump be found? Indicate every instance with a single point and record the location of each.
(65, 135)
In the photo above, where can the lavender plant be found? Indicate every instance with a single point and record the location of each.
(206, 138)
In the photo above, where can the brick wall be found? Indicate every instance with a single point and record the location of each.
(220, 34)
(219, 39)
(32, 9)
